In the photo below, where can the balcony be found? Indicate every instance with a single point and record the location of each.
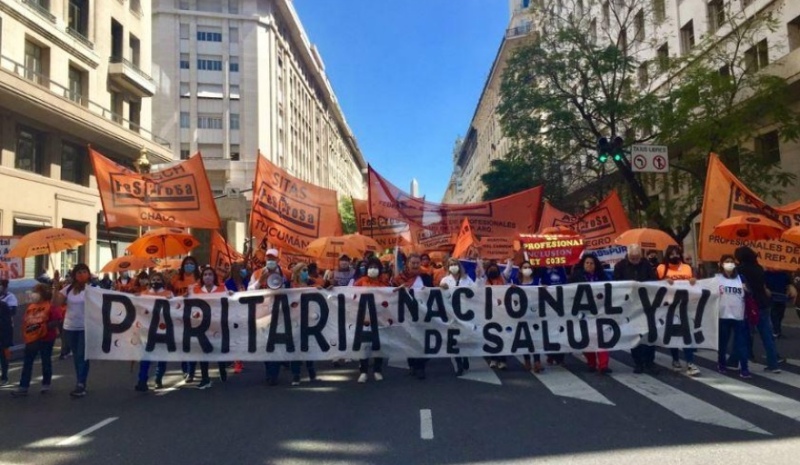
(80, 37)
(40, 98)
(40, 10)
(128, 76)
(521, 30)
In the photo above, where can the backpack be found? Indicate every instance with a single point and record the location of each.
(34, 323)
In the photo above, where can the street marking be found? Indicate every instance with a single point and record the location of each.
(785, 377)
(479, 371)
(747, 392)
(87, 431)
(678, 402)
(563, 383)
(173, 388)
(425, 424)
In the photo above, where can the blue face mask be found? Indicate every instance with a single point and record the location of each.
(189, 268)
(243, 273)
(362, 269)
(304, 276)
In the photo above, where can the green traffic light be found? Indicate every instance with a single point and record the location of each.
(603, 158)
(617, 157)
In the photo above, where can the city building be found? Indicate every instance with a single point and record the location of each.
(72, 73)
(239, 77)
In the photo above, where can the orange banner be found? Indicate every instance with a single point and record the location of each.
(290, 213)
(507, 216)
(725, 196)
(498, 248)
(599, 225)
(223, 255)
(467, 245)
(175, 197)
(385, 230)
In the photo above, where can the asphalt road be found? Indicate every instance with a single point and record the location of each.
(561, 416)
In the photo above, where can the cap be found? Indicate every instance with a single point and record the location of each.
(273, 252)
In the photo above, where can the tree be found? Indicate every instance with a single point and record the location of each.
(577, 81)
(348, 215)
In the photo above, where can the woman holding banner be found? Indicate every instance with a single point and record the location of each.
(209, 285)
(412, 277)
(590, 270)
(674, 269)
(492, 277)
(373, 278)
(457, 277)
(526, 277)
(74, 327)
(180, 284)
(731, 315)
(301, 279)
(156, 288)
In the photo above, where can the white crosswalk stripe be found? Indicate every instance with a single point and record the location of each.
(563, 383)
(479, 371)
(757, 369)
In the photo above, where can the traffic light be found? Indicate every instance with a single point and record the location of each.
(602, 150)
(613, 149)
(616, 149)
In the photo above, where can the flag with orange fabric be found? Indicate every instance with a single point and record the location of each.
(223, 255)
(725, 196)
(176, 197)
(288, 212)
(467, 245)
(387, 231)
(598, 226)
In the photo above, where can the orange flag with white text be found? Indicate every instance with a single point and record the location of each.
(599, 225)
(223, 255)
(176, 197)
(467, 245)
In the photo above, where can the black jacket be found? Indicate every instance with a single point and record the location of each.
(753, 276)
(6, 328)
(579, 276)
(626, 271)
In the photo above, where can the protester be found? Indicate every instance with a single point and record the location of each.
(634, 268)
(412, 278)
(106, 282)
(590, 270)
(6, 341)
(344, 275)
(781, 289)
(553, 276)
(209, 285)
(372, 279)
(142, 282)
(40, 330)
(731, 315)
(671, 270)
(156, 288)
(8, 297)
(752, 275)
(187, 277)
(457, 277)
(237, 282)
(125, 284)
(74, 295)
(527, 277)
(300, 279)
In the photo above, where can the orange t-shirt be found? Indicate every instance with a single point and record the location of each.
(162, 293)
(128, 288)
(682, 272)
(199, 289)
(366, 281)
(180, 287)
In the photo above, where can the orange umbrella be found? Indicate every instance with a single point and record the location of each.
(750, 227)
(47, 241)
(163, 243)
(333, 247)
(792, 235)
(646, 237)
(128, 263)
(363, 243)
(171, 264)
(560, 230)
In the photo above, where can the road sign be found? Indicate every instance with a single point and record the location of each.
(649, 159)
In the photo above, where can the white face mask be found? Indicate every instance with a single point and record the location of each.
(373, 272)
(527, 272)
(729, 267)
(271, 264)
(454, 269)
(36, 297)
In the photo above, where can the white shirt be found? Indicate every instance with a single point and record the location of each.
(76, 308)
(731, 302)
(450, 280)
(10, 299)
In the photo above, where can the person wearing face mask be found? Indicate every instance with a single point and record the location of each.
(634, 268)
(344, 275)
(259, 280)
(373, 278)
(187, 277)
(208, 285)
(125, 284)
(238, 282)
(731, 315)
(527, 277)
(74, 295)
(155, 288)
(40, 330)
(590, 270)
(412, 278)
(673, 269)
(492, 277)
(457, 277)
(652, 257)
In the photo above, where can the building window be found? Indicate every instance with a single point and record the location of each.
(209, 122)
(725, 70)
(233, 7)
(659, 10)
(184, 31)
(687, 38)
(30, 151)
(185, 90)
(209, 90)
(78, 17)
(184, 61)
(73, 159)
(234, 91)
(185, 151)
(205, 34)
(76, 86)
(234, 121)
(235, 152)
(768, 146)
(135, 47)
(234, 65)
(115, 99)
(34, 63)
(756, 57)
(183, 5)
(663, 57)
(638, 27)
(643, 75)
(233, 34)
(730, 158)
(185, 119)
(209, 63)
(793, 27)
(715, 11)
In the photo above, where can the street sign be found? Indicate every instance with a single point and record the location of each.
(649, 159)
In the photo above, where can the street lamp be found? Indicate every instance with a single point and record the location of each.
(142, 163)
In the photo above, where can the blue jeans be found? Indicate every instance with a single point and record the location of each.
(688, 354)
(144, 370)
(76, 340)
(764, 328)
(45, 350)
(741, 334)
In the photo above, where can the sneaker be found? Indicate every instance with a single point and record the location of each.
(745, 375)
(223, 375)
(692, 370)
(19, 392)
(362, 378)
(45, 388)
(639, 369)
(296, 381)
(676, 365)
(537, 367)
(492, 364)
(80, 391)
(141, 386)
(378, 376)
(501, 365)
(204, 384)
(722, 368)
(775, 370)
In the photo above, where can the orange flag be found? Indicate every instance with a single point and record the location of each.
(467, 245)
(223, 255)
(725, 196)
(386, 231)
(599, 225)
(175, 197)
(290, 213)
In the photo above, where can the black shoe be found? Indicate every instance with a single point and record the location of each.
(141, 386)
(159, 383)
(312, 376)
(639, 369)
(466, 363)
(204, 384)
(413, 372)
(80, 391)
(223, 375)
(460, 372)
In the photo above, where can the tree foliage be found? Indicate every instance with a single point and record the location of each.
(586, 76)
(348, 215)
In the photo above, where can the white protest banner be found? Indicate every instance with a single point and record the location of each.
(10, 268)
(307, 324)
(611, 255)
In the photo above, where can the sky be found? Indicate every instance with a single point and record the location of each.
(408, 75)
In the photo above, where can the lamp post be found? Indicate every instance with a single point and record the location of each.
(142, 167)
